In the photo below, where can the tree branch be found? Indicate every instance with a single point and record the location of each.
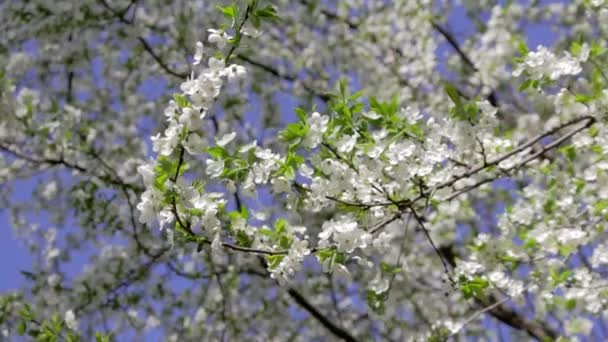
(492, 98)
(333, 328)
(120, 16)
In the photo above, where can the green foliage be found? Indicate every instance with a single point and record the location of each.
(600, 206)
(181, 100)
(243, 239)
(529, 84)
(346, 106)
(473, 288)
(290, 165)
(267, 13)
(439, 334)
(100, 337)
(558, 278)
(330, 256)
(376, 301)
(569, 152)
(389, 269)
(230, 12)
(294, 132)
(51, 329)
(166, 168)
(523, 50)
(386, 109)
(218, 152)
(274, 260)
(462, 110)
(279, 235)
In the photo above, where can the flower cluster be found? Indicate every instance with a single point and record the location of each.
(544, 63)
(185, 132)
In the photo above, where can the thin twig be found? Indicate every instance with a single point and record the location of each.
(428, 236)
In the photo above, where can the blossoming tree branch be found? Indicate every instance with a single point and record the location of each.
(305, 170)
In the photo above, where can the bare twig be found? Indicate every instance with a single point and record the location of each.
(428, 236)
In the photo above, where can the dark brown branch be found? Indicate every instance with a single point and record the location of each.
(321, 318)
(238, 36)
(359, 204)
(482, 166)
(287, 77)
(437, 251)
(384, 223)
(340, 157)
(121, 16)
(60, 161)
(533, 156)
(492, 98)
(159, 60)
(539, 330)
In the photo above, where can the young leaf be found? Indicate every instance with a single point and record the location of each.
(452, 92)
(267, 13)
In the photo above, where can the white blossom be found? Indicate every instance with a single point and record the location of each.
(70, 320)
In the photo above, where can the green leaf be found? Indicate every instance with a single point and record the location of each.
(356, 95)
(274, 260)
(549, 206)
(593, 131)
(217, 152)
(575, 48)
(474, 288)
(294, 131)
(584, 98)
(375, 105)
(280, 225)
(565, 250)
(522, 47)
(267, 232)
(530, 243)
(376, 301)
(73, 337)
(228, 11)
(256, 21)
(181, 101)
(289, 172)
(302, 114)
(389, 269)
(525, 85)
(21, 328)
(357, 107)
(452, 92)
(243, 239)
(597, 81)
(465, 112)
(165, 164)
(267, 13)
(26, 313)
(580, 185)
(325, 253)
(285, 242)
(160, 179)
(342, 85)
(559, 277)
(99, 337)
(571, 304)
(569, 152)
(600, 206)
(597, 49)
